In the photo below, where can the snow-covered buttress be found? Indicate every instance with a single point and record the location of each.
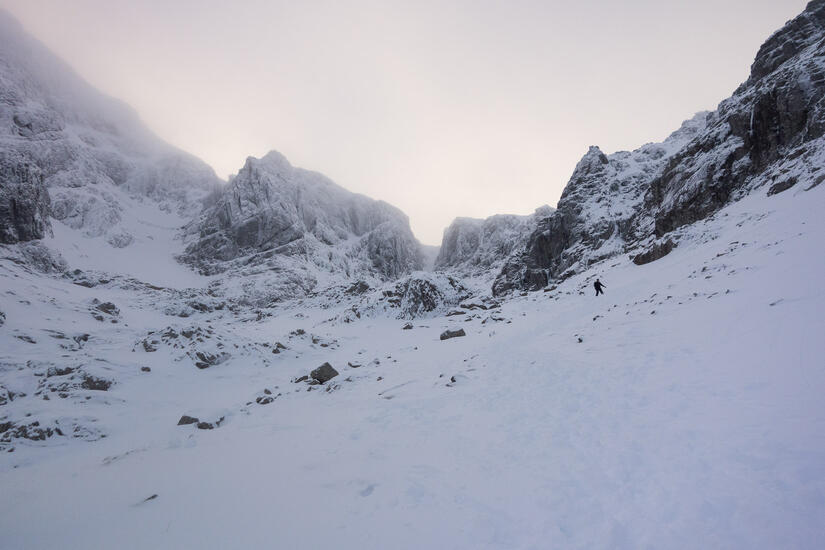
(273, 209)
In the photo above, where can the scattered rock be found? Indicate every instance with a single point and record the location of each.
(206, 360)
(94, 383)
(58, 371)
(102, 311)
(359, 287)
(108, 308)
(210, 425)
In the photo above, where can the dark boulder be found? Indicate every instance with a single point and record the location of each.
(324, 373)
(447, 334)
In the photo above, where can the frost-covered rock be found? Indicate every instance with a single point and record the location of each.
(471, 246)
(35, 256)
(417, 295)
(70, 152)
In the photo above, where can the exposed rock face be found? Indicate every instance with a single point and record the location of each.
(24, 201)
(594, 217)
(68, 151)
(298, 223)
(776, 117)
(471, 246)
(769, 132)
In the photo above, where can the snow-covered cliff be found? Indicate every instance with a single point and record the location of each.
(474, 246)
(767, 136)
(281, 222)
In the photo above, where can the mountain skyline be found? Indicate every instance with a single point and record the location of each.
(520, 145)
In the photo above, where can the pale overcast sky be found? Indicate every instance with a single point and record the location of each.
(443, 109)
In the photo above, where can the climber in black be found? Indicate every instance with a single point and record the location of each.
(598, 286)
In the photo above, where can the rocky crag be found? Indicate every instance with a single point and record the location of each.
(767, 135)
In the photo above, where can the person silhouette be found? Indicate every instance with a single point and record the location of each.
(598, 286)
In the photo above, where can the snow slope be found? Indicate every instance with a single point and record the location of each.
(680, 410)
(143, 405)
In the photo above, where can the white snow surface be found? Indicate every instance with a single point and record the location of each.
(682, 409)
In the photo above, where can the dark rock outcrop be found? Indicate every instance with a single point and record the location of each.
(655, 252)
(24, 200)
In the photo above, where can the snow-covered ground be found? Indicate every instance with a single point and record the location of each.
(683, 409)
